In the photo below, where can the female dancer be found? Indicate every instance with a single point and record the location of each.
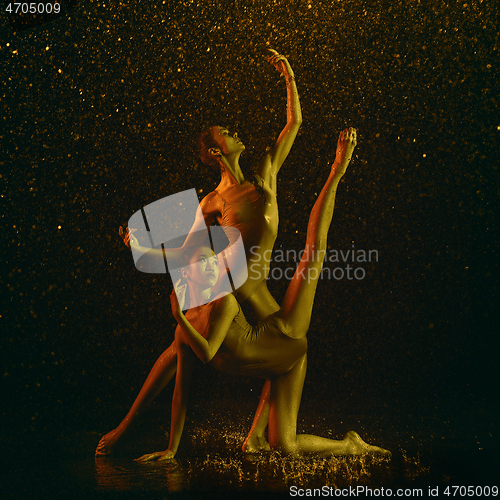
(252, 208)
(275, 349)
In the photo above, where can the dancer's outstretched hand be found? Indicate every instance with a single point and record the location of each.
(159, 456)
(280, 63)
(127, 237)
(178, 298)
(345, 147)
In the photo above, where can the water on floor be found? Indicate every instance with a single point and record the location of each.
(427, 453)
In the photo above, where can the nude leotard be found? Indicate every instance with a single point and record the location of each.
(251, 211)
(254, 212)
(262, 351)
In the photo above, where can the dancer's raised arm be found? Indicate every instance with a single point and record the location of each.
(207, 211)
(278, 154)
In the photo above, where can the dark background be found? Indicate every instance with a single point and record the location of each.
(100, 111)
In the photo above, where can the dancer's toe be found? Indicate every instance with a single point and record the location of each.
(357, 446)
(108, 443)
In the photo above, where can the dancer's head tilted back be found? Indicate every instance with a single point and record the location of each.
(206, 142)
(216, 142)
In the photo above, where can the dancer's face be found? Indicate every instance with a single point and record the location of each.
(203, 268)
(227, 141)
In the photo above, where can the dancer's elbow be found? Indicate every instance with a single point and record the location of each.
(208, 355)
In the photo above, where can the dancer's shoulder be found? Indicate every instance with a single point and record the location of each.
(210, 197)
(211, 202)
(226, 298)
(227, 303)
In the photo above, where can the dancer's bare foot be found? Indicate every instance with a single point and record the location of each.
(356, 446)
(255, 444)
(109, 442)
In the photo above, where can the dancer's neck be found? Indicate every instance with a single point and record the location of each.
(231, 171)
(198, 296)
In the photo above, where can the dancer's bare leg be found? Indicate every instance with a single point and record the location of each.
(255, 440)
(295, 315)
(159, 376)
(262, 302)
(294, 321)
(286, 393)
(297, 305)
(163, 371)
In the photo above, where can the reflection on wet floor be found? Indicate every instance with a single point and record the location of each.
(210, 462)
(221, 469)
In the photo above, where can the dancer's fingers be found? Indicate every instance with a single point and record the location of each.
(279, 59)
(128, 237)
(176, 285)
(275, 58)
